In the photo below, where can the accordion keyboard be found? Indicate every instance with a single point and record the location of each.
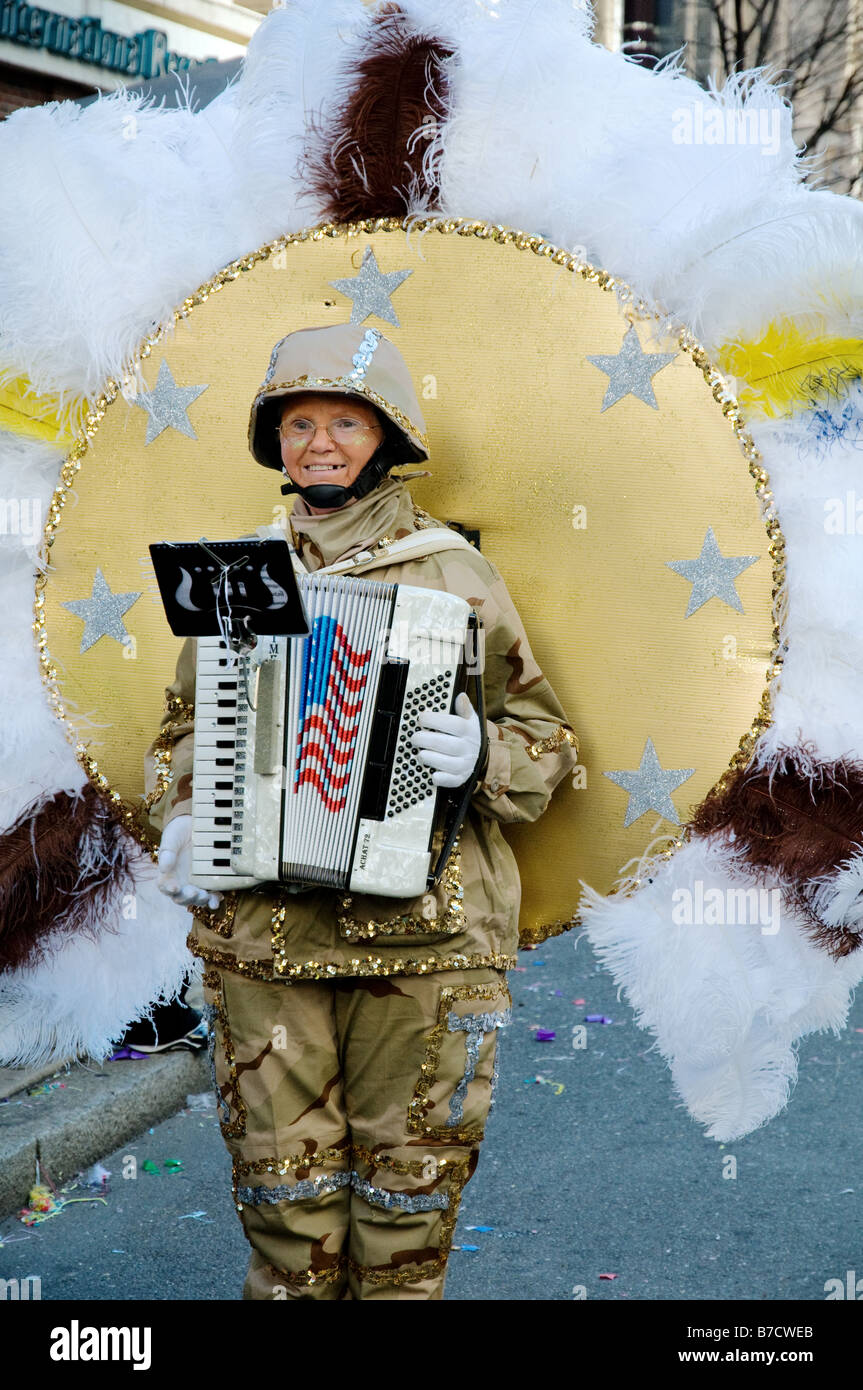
(215, 783)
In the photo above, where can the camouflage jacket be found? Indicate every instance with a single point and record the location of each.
(471, 919)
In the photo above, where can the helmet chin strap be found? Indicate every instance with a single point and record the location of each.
(331, 495)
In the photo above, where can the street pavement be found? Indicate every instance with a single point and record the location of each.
(590, 1167)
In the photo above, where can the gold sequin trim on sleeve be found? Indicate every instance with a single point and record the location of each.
(554, 741)
(163, 748)
(175, 704)
(162, 754)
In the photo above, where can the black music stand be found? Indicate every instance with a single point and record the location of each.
(237, 589)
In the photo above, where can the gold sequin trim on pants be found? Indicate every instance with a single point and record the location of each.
(294, 1162)
(233, 1129)
(305, 1278)
(429, 1269)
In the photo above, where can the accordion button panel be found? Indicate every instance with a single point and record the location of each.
(392, 855)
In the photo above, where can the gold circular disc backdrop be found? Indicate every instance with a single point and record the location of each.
(583, 502)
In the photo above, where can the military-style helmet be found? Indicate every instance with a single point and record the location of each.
(342, 359)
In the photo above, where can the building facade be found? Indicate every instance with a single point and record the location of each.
(71, 48)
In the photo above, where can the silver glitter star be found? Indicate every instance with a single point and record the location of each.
(102, 613)
(630, 371)
(371, 289)
(167, 405)
(712, 575)
(649, 786)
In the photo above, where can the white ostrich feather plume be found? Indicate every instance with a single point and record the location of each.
(725, 1002)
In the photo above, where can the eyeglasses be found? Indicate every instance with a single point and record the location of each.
(347, 431)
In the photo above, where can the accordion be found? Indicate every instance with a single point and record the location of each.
(304, 772)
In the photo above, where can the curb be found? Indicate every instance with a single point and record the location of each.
(97, 1110)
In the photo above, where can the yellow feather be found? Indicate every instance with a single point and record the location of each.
(24, 412)
(786, 368)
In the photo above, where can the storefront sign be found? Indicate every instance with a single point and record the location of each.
(145, 54)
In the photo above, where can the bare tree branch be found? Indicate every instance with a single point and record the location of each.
(811, 65)
(765, 34)
(833, 111)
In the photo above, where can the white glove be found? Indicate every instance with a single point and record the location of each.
(175, 867)
(453, 747)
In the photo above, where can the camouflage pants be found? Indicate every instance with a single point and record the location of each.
(353, 1111)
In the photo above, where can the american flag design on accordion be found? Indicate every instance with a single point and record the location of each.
(332, 688)
(333, 680)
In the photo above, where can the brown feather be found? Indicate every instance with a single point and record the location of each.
(359, 166)
(43, 889)
(794, 827)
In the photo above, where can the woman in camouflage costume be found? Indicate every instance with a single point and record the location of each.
(354, 1039)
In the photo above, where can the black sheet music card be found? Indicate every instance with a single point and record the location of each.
(250, 583)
